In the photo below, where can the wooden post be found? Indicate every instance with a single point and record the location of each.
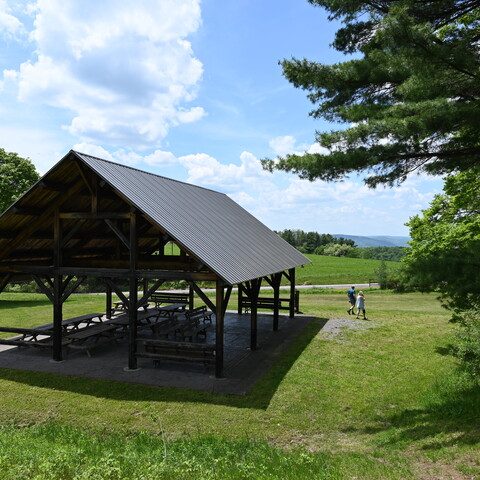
(132, 324)
(240, 299)
(57, 288)
(108, 306)
(133, 296)
(57, 318)
(276, 280)
(219, 324)
(254, 291)
(292, 293)
(191, 299)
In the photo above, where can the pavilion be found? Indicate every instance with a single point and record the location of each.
(89, 217)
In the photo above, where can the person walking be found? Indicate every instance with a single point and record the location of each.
(352, 297)
(360, 304)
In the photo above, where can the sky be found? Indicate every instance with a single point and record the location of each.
(190, 90)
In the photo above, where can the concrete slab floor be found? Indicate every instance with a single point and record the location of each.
(242, 367)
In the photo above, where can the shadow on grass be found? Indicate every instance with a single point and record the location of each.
(258, 397)
(451, 416)
(6, 304)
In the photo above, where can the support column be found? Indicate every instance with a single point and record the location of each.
(191, 300)
(219, 325)
(240, 299)
(108, 303)
(132, 324)
(57, 288)
(254, 291)
(276, 280)
(133, 296)
(57, 318)
(292, 292)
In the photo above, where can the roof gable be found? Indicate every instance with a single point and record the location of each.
(209, 224)
(216, 234)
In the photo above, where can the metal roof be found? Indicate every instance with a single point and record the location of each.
(208, 224)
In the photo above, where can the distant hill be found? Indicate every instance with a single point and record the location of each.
(376, 241)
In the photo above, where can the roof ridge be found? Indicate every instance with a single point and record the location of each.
(144, 171)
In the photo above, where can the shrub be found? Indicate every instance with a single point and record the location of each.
(467, 340)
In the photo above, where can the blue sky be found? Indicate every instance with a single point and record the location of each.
(190, 90)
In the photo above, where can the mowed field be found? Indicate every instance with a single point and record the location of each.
(341, 270)
(376, 399)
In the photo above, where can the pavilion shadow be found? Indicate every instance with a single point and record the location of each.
(259, 396)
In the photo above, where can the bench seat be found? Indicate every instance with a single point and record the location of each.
(165, 350)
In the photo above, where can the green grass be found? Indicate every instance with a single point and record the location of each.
(383, 402)
(333, 271)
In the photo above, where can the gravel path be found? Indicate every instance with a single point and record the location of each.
(335, 326)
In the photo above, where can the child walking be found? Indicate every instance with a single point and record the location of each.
(361, 305)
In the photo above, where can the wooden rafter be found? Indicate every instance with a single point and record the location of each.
(39, 221)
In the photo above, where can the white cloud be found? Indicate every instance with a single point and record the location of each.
(10, 26)
(287, 144)
(283, 145)
(286, 201)
(160, 158)
(123, 69)
(204, 169)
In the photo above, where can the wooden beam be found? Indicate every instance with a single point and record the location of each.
(202, 295)
(254, 291)
(53, 186)
(132, 324)
(4, 281)
(32, 211)
(227, 298)
(118, 232)
(44, 288)
(85, 179)
(148, 293)
(219, 328)
(276, 280)
(109, 272)
(94, 216)
(72, 288)
(71, 233)
(117, 290)
(38, 222)
(57, 318)
(292, 292)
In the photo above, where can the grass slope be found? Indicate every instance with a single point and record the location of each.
(339, 270)
(380, 402)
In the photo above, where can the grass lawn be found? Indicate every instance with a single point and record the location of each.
(340, 270)
(379, 402)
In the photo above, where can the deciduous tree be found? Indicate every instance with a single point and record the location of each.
(17, 175)
(445, 253)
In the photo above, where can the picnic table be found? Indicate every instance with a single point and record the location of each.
(75, 323)
(120, 306)
(42, 336)
(169, 311)
(91, 337)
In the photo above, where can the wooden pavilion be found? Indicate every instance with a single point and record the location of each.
(88, 217)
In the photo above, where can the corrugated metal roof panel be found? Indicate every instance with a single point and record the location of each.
(209, 224)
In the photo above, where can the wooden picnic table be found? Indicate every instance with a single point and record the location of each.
(76, 323)
(169, 311)
(93, 336)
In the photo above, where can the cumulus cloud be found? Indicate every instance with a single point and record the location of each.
(10, 25)
(292, 202)
(206, 170)
(287, 144)
(125, 70)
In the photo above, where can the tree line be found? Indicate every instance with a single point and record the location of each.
(327, 244)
